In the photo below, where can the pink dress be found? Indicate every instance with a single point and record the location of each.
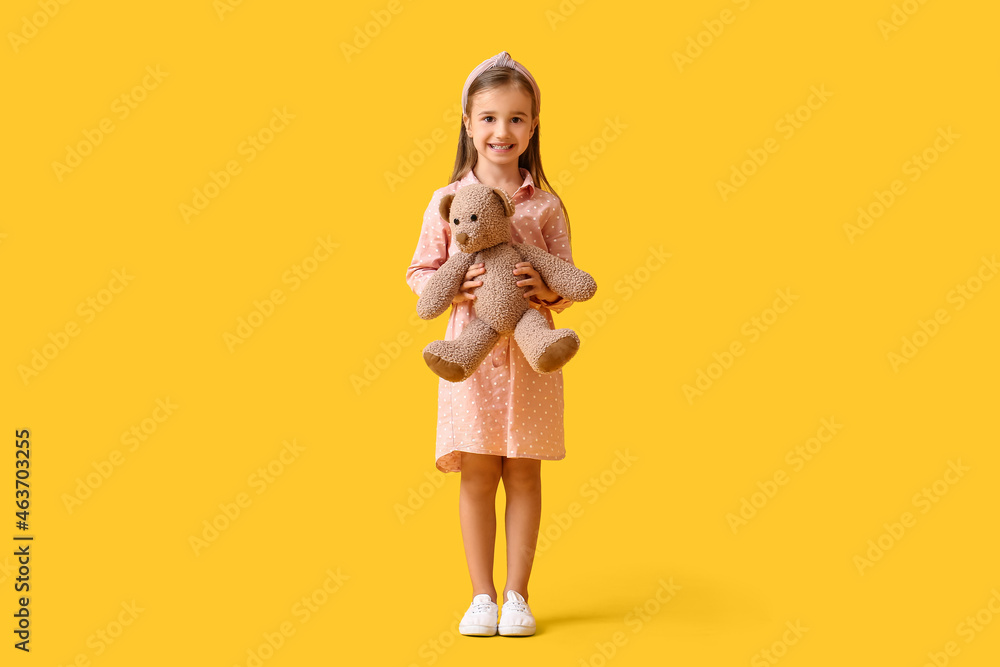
(505, 408)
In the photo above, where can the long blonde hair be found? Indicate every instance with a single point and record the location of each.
(531, 158)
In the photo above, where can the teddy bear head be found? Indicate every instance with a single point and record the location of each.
(479, 216)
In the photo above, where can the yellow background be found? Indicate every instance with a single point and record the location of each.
(368, 449)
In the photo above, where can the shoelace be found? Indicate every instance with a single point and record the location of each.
(481, 608)
(514, 605)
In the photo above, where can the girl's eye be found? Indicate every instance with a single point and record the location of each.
(487, 118)
(473, 218)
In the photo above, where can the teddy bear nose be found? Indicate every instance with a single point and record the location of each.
(462, 237)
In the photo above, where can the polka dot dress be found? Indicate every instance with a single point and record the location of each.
(505, 408)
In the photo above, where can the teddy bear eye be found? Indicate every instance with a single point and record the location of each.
(473, 218)
(456, 221)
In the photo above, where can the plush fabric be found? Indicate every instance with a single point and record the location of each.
(480, 222)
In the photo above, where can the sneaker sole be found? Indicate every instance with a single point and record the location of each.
(477, 630)
(516, 631)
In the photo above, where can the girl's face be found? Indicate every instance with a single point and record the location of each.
(500, 124)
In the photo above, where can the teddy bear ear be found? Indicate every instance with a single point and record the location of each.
(508, 205)
(445, 206)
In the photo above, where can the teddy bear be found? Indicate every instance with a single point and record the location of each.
(479, 217)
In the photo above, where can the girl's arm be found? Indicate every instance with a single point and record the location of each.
(560, 276)
(556, 236)
(557, 306)
(432, 248)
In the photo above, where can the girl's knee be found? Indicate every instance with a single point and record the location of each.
(481, 471)
(521, 473)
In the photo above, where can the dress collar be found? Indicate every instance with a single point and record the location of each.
(528, 186)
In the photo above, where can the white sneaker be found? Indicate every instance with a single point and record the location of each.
(481, 618)
(515, 617)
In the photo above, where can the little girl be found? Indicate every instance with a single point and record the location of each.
(506, 418)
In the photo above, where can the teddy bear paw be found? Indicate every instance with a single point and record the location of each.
(449, 370)
(558, 353)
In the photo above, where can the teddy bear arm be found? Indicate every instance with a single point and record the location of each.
(561, 277)
(444, 284)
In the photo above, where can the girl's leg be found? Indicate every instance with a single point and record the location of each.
(477, 514)
(522, 483)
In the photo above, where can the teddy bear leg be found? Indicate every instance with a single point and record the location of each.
(455, 360)
(545, 349)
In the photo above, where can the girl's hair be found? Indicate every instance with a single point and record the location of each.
(531, 158)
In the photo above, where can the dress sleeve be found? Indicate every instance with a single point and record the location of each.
(556, 234)
(432, 247)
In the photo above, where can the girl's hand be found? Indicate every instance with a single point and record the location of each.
(538, 286)
(465, 291)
